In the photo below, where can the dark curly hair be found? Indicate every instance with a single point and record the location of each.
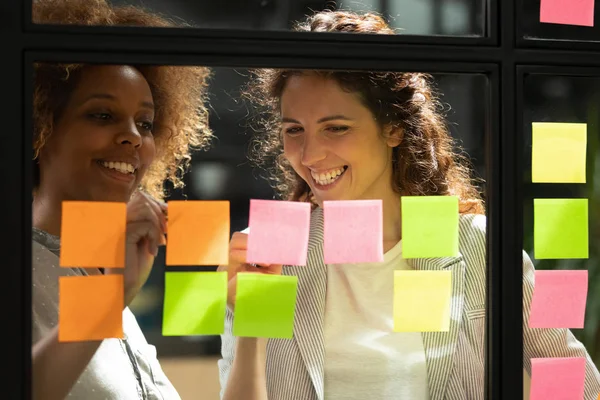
(181, 122)
(425, 162)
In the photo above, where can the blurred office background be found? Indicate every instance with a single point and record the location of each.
(224, 172)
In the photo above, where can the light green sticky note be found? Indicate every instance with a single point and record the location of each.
(429, 226)
(265, 305)
(560, 228)
(558, 152)
(194, 303)
(422, 301)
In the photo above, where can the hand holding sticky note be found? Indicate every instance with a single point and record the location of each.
(198, 233)
(278, 232)
(559, 299)
(560, 228)
(422, 301)
(558, 152)
(93, 234)
(557, 378)
(195, 303)
(265, 305)
(90, 308)
(429, 226)
(353, 231)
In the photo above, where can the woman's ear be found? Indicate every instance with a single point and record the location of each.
(393, 135)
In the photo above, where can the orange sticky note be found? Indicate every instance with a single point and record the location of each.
(90, 308)
(93, 234)
(198, 233)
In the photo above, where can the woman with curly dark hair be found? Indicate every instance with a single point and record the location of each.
(106, 133)
(349, 135)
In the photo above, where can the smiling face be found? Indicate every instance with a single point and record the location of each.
(333, 141)
(102, 143)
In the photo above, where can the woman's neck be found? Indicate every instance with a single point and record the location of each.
(46, 213)
(392, 221)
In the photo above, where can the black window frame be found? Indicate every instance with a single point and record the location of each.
(503, 54)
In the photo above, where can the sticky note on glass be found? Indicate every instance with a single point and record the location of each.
(429, 226)
(90, 308)
(567, 12)
(198, 233)
(560, 228)
(559, 299)
(278, 232)
(558, 152)
(353, 231)
(422, 301)
(265, 305)
(93, 234)
(557, 378)
(195, 303)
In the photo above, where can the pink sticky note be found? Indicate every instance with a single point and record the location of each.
(353, 231)
(278, 232)
(567, 12)
(559, 299)
(557, 378)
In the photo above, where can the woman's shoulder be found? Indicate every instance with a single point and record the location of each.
(472, 228)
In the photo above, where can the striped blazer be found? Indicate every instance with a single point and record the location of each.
(455, 359)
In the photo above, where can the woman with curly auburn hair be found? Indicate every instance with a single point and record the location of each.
(112, 133)
(350, 135)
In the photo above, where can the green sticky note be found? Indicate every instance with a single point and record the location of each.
(422, 301)
(265, 305)
(560, 228)
(429, 226)
(194, 303)
(558, 152)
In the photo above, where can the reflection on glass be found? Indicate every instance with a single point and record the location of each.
(409, 17)
(567, 100)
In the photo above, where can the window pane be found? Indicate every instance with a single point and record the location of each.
(563, 100)
(408, 17)
(223, 172)
(582, 26)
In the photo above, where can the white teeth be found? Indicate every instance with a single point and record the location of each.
(328, 177)
(123, 167)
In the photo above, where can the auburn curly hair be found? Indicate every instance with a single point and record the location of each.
(179, 93)
(425, 162)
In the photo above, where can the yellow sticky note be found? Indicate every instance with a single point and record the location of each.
(422, 301)
(558, 152)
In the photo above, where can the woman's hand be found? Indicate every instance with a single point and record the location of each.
(237, 263)
(146, 228)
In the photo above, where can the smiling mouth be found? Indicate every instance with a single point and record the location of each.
(118, 170)
(122, 167)
(328, 178)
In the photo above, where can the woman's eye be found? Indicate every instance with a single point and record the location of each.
(101, 116)
(147, 126)
(294, 130)
(337, 129)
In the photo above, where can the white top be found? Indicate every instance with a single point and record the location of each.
(364, 357)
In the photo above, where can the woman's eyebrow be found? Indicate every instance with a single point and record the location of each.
(320, 121)
(106, 96)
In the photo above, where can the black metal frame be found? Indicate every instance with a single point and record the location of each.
(504, 55)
